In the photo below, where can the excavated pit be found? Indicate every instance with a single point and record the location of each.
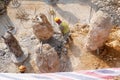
(71, 11)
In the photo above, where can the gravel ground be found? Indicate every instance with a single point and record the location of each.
(110, 6)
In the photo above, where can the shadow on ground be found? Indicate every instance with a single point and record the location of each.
(5, 23)
(68, 16)
(81, 2)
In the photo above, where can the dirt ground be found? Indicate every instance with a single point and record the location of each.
(108, 56)
(71, 11)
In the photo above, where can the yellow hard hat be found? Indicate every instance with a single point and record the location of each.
(57, 19)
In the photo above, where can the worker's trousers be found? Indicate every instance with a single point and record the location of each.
(66, 36)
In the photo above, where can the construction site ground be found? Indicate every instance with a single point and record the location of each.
(71, 11)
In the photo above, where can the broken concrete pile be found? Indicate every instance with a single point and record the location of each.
(112, 7)
(42, 29)
(18, 55)
(100, 27)
(46, 59)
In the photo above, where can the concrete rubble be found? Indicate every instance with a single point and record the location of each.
(46, 59)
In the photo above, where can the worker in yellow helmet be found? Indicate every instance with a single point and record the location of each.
(64, 27)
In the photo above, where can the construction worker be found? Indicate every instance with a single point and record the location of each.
(64, 27)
